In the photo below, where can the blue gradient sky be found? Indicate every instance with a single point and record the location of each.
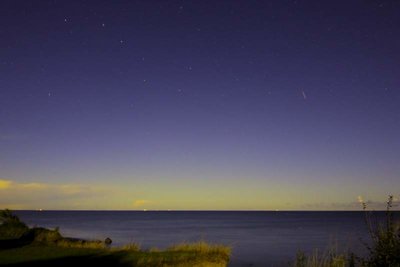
(199, 105)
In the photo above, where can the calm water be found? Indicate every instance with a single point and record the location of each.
(258, 238)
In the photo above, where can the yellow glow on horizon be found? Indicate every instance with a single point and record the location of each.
(140, 202)
(4, 184)
(35, 186)
(161, 195)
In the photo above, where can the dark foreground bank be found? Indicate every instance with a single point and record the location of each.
(24, 246)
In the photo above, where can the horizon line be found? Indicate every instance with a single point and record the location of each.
(199, 210)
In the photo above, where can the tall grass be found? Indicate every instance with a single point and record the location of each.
(131, 247)
(201, 247)
(80, 244)
(199, 254)
(383, 248)
(327, 258)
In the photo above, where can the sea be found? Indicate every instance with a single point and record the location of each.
(258, 238)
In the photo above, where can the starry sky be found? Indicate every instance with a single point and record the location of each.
(225, 105)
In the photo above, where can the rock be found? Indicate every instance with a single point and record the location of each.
(108, 241)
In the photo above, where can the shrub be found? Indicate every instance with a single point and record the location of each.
(7, 217)
(11, 227)
(41, 235)
(384, 249)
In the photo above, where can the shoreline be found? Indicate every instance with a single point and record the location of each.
(21, 245)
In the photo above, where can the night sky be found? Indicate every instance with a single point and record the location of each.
(199, 104)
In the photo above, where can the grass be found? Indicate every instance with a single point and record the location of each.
(65, 243)
(44, 247)
(201, 247)
(181, 255)
(383, 248)
(39, 252)
(131, 247)
(327, 258)
(54, 255)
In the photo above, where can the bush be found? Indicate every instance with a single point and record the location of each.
(11, 227)
(384, 249)
(42, 235)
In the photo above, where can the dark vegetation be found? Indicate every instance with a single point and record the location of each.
(11, 226)
(24, 246)
(383, 247)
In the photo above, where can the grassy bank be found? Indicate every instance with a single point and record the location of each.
(51, 255)
(24, 246)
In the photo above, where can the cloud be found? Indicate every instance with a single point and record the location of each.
(4, 184)
(353, 205)
(35, 195)
(33, 186)
(59, 189)
(140, 202)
